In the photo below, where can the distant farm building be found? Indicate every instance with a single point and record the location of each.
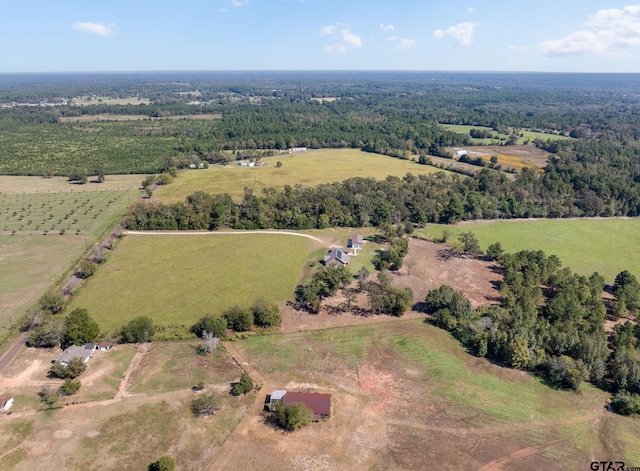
(320, 404)
(336, 255)
(459, 153)
(297, 149)
(356, 242)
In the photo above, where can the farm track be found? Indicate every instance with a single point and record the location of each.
(220, 233)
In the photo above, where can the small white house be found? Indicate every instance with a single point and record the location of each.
(459, 153)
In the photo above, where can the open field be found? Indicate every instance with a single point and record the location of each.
(124, 431)
(524, 135)
(406, 396)
(45, 226)
(307, 169)
(607, 245)
(135, 117)
(176, 279)
(105, 100)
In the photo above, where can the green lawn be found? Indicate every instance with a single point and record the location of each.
(178, 279)
(607, 246)
(307, 169)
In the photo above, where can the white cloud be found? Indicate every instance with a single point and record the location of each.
(406, 43)
(239, 3)
(99, 29)
(346, 39)
(387, 27)
(462, 32)
(608, 32)
(392, 38)
(327, 30)
(518, 48)
(470, 10)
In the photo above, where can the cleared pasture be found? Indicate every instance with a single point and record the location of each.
(176, 279)
(125, 433)
(404, 386)
(524, 135)
(45, 226)
(106, 100)
(607, 245)
(307, 169)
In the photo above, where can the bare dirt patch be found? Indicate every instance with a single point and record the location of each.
(435, 265)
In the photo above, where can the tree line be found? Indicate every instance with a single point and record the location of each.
(550, 321)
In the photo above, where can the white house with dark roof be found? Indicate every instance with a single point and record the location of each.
(84, 353)
(336, 255)
(356, 242)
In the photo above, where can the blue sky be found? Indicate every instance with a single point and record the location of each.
(471, 35)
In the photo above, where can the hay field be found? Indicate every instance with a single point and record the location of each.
(307, 169)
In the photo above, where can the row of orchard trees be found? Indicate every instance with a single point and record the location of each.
(550, 321)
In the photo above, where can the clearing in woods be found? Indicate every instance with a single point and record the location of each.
(304, 168)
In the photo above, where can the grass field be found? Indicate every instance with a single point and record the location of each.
(45, 226)
(178, 279)
(307, 169)
(404, 385)
(105, 100)
(607, 246)
(526, 134)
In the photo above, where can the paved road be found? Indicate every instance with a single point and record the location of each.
(11, 354)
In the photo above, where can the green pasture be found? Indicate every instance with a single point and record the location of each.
(523, 134)
(176, 279)
(306, 168)
(607, 246)
(43, 233)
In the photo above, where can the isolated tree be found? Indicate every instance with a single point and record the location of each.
(165, 463)
(266, 314)
(48, 395)
(137, 330)
(293, 416)
(70, 387)
(244, 386)
(470, 244)
(627, 288)
(205, 404)
(78, 175)
(79, 328)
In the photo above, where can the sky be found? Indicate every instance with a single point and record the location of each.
(451, 35)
